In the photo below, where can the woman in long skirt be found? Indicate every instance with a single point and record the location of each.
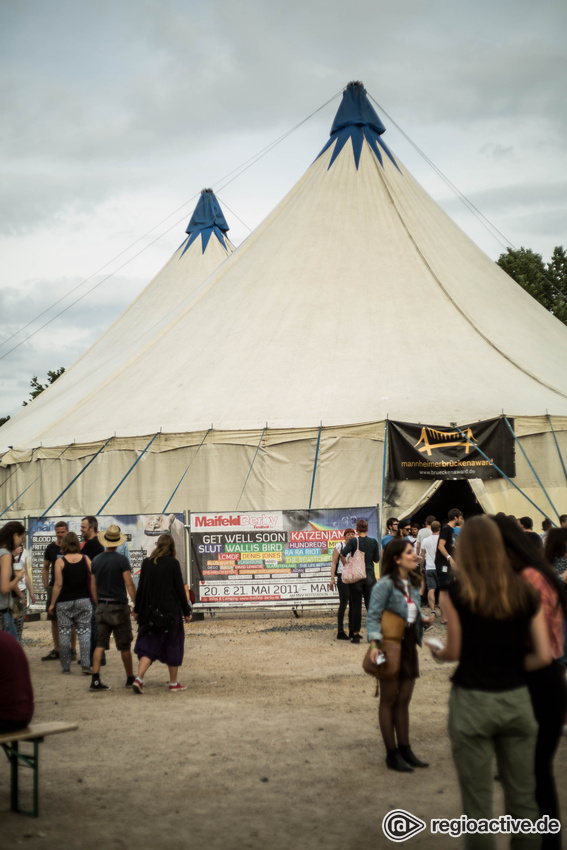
(161, 608)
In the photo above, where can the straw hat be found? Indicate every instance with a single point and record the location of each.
(112, 537)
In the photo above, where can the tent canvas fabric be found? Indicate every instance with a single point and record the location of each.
(300, 338)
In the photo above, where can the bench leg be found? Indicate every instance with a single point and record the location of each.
(14, 776)
(15, 757)
(35, 779)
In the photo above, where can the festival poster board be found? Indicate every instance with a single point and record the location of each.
(268, 558)
(141, 531)
(433, 452)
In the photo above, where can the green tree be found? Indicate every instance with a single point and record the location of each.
(37, 388)
(546, 282)
(3, 419)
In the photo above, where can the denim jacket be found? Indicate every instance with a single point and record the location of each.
(385, 596)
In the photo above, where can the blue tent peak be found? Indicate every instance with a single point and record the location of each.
(208, 218)
(356, 119)
(356, 109)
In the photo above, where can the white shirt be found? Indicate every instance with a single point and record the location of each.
(22, 564)
(421, 535)
(428, 549)
(412, 607)
(339, 547)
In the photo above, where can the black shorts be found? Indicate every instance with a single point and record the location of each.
(113, 618)
(445, 577)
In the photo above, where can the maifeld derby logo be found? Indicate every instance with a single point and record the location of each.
(437, 439)
(400, 825)
(252, 521)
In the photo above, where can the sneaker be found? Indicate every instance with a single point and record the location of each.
(177, 687)
(130, 681)
(86, 671)
(342, 636)
(356, 639)
(65, 671)
(73, 655)
(51, 656)
(98, 686)
(138, 686)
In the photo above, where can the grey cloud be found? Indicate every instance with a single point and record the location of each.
(507, 198)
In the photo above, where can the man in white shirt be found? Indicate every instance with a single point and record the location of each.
(428, 550)
(421, 535)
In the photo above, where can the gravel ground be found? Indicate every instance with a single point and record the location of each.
(274, 744)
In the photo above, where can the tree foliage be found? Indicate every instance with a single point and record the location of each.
(37, 388)
(546, 282)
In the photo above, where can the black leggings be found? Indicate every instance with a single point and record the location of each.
(549, 700)
(344, 596)
(393, 711)
(359, 590)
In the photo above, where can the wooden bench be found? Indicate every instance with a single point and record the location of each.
(35, 733)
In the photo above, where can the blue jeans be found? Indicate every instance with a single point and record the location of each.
(8, 625)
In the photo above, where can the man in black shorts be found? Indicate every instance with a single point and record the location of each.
(444, 558)
(111, 580)
(50, 555)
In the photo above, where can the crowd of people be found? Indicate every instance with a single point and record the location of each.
(498, 588)
(91, 596)
(502, 598)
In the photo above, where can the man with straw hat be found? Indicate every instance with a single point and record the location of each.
(111, 584)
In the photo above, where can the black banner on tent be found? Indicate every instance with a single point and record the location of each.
(434, 452)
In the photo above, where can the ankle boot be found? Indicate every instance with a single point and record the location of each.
(395, 761)
(411, 759)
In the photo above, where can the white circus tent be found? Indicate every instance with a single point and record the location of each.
(273, 377)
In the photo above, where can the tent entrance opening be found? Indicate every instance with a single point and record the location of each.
(451, 494)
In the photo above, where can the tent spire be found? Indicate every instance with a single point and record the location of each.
(356, 119)
(207, 218)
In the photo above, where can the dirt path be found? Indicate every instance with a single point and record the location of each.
(274, 745)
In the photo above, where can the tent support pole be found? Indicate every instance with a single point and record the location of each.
(384, 458)
(186, 471)
(557, 446)
(138, 459)
(531, 466)
(35, 479)
(251, 465)
(315, 464)
(497, 468)
(84, 469)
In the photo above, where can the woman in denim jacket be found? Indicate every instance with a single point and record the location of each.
(398, 591)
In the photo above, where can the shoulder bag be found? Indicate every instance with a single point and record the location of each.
(355, 567)
(393, 627)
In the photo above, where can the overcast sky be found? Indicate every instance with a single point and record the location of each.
(116, 114)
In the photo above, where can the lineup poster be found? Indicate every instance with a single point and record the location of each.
(141, 532)
(438, 452)
(269, 558)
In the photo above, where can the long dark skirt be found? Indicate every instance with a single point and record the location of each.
(167, 648)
